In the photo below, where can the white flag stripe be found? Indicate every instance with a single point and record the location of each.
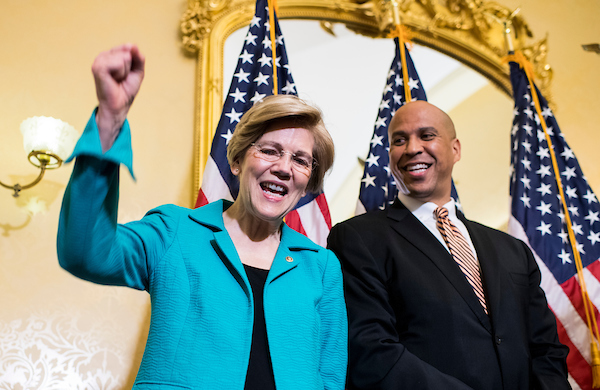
(560, 303)
(213, 185)
(317, 230)
(593, 287)
(573, 384)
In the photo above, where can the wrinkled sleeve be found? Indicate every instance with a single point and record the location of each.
(334, 338)
(90, 243)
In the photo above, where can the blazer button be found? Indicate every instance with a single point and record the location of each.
(498, 340)
(289, 259)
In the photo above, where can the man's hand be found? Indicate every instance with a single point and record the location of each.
(118, 74)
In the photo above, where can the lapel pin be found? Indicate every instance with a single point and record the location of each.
(289, 259)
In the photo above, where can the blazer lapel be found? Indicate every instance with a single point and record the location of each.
(288, 254)
(408, 226)
(211, 216)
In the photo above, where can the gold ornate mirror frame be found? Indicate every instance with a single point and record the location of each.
(470, 31)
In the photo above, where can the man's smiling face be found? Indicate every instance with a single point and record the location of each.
(423, 150)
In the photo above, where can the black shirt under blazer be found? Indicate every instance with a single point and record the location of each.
(415, 322)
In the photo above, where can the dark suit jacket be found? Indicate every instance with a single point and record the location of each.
(415, 322)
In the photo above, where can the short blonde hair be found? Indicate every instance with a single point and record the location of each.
(257, 120)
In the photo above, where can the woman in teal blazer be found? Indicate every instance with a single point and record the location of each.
(239, 300)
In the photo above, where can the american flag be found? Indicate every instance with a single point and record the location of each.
(251, 83)
(538, 219)
(378, 188)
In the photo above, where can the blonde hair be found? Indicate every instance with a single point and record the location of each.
(257, 120)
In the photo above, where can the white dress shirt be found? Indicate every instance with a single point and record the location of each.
(424, 213)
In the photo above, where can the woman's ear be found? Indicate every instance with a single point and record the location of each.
(235, 168)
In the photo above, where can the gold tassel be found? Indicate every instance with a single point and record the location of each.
(595, 366)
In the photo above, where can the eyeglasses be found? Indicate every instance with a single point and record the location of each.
(300, 162)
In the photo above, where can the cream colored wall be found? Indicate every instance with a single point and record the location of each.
(50, 322)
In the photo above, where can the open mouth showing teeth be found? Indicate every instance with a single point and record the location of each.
(417, 168)
(274, 189)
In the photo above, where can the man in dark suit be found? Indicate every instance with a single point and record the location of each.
(437, 308)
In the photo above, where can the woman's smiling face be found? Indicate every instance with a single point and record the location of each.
(270, 187)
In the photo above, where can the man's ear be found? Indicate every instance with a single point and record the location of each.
(456, 149)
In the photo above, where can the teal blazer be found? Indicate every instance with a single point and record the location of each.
(202, 305)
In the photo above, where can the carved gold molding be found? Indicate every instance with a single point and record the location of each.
(471, 31)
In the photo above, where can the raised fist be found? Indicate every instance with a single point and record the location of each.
(118, 74)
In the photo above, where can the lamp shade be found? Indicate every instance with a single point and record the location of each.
(47, 134)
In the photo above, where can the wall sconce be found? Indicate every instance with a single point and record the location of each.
(49, 142)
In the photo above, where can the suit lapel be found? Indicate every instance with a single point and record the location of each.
(408, 226)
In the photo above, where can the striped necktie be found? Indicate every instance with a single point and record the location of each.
(461, 252)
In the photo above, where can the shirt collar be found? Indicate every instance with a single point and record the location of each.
(424, 211)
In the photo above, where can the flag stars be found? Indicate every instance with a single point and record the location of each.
(541, 136)
(592, 217)
(544, 208)
(368, 180)
(385, 104)
(543, 153)
(257, 97)
(380, 122)
(388, 88)
(544, 189)
(590, 197)
(413, 84)
(242, 76)
(227, 136)
(526, 145)
(573, 210)
(594, 237)
(577, 228)
(565, 257)
(571, 192)
(526, 182)
(261, 79)
(546, 112)
(234, 116)
(528, 112)
(376, 140)
(568, 154)
(397, 99)
(398, 81)
(544, 171)
(569, 173)
(255, 21)
(265, 60)
(246, 57)
(266, 43)
(544, 228)
(563, 236)
(528, 129)
(372, 160)
(526, 201)
(289, 87)
(526, 163)
(238, 96)
(251, 39)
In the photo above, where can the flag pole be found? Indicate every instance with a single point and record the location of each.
(520, 59)
(399, 33)
(272, 5)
